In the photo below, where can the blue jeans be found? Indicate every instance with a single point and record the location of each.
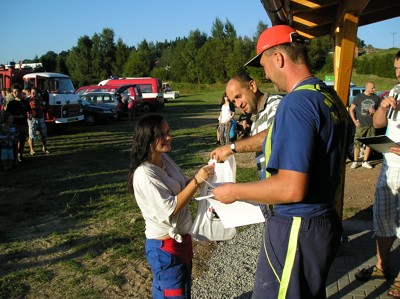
(172, 277)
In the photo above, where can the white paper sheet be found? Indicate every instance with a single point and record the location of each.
(238, 213)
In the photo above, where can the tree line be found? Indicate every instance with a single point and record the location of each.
(197, 58)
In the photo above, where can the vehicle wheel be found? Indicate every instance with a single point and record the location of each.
(90, 119)
(146, 108)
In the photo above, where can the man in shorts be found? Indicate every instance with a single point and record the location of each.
(386, 213)
(366, 103)
(36, 123)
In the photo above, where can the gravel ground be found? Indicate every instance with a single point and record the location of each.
(231, 268)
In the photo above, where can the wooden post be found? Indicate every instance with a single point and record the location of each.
(345, 42)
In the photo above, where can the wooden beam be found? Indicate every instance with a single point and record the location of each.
(345, 43)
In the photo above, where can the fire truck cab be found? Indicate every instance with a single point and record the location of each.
(62, 103)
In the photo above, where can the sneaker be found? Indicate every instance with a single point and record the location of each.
(365, 164)
(354, 165)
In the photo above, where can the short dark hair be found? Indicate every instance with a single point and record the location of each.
(243, 78)
(297, 51)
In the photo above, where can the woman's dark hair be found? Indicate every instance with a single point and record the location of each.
(147, 129)
(223, 99)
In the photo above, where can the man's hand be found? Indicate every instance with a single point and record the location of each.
(395, 150)
(224, 193)
(221, 153)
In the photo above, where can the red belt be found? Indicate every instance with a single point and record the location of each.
(183, 250)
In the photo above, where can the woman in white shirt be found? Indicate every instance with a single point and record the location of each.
(162, 193)
(225, 117)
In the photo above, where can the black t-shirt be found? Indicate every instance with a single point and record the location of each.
(363, 104)
(18, 108)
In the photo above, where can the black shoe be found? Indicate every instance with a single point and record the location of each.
(217, 142)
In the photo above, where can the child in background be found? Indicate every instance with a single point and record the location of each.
(8, 140)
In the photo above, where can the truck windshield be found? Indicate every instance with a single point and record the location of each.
(53, 85)
(61, 85)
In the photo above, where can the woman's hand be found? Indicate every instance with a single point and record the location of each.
(204, 174)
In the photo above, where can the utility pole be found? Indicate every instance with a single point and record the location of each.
(393, 33)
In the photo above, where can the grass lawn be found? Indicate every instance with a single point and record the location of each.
(68, 226)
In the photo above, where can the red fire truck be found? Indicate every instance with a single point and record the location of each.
(12, 74)
(62, 103)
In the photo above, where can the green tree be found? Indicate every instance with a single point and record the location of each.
(230, 31)
(97, 73)
(62, 63)
(195, 41)
(177, 62)
(241, 52)
(218, 29)
(140, 62)
(121, 57)
(107, 50)
(317, 52)
(79, 62)
(103, 55)
(49, 61)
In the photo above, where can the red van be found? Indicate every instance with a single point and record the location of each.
(152, 93)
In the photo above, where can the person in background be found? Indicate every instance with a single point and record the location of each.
(218, 137)
(8, 140)
(36, 124)
(224, 120)
(20, 108)
(131, 108)
(306, 152)
(244, 125)
(26, 93)
(386, 212)
(366, 103)
(243, 91)
(9, 97)
(162, 193)
(2, 98)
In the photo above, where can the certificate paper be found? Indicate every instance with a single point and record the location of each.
(238, 213)
(380, 143)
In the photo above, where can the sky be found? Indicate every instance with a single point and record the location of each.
(47, 25)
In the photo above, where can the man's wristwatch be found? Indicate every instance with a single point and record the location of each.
(233, 147)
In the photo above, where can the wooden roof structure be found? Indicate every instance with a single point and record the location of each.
(340, 20)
